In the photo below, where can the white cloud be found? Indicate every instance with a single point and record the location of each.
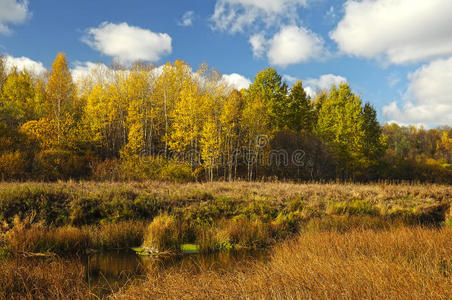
(290, 79)
(428, 98)
(187, 19)
(24, 63)
(393, 79)
(236, 81)
(294, 45)
(331, 14)
(235, 15)
(400, 31)
(83, 70)
(12, 12)
(258, 44)
(313, 86)
(128, 43)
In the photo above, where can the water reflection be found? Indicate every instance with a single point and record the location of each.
(107, 272)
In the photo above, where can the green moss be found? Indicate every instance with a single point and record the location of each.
(189, 248)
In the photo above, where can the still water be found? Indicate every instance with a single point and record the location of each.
(107, 272)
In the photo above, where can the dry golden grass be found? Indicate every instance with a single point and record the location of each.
(406, 263)
(404, 194)
(353, 242)
(26, 238)
(42, 279)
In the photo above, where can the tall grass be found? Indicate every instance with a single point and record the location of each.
(27, 238)
(43, 279)
(405, 263)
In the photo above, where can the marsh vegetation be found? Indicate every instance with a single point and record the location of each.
(323, 240)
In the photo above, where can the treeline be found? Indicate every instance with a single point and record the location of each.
(172, 123)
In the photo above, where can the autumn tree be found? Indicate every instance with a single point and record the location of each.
(140, 114)
(167, 92)
(187, 121)
(60, 91)
(3, 73)
(231, 136)
(18, 99)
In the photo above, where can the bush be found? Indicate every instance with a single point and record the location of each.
(156, 168)
(13, 166)
(85, 211)
(48, 204)
(107, 170)
(50, 165)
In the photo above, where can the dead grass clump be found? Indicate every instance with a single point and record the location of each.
(163, 233)
(124, 234)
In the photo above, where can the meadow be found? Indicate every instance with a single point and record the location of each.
(330, 240)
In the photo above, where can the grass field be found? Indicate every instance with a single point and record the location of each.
(326, 240)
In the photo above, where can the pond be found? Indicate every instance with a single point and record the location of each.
(107, 272)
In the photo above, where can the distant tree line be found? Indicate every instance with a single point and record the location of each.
(172, 123)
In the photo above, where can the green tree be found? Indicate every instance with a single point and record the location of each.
(269, 89)
(300, 111)
(341, 126)
(373, 147)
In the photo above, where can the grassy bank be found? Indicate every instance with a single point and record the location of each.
(72, 217)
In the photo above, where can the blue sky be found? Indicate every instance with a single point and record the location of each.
(397, 54)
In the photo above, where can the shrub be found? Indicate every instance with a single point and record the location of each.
(56, 164)
(85, 211)
(357, 207)
(157, 168)
(107, 170)
(13, 166)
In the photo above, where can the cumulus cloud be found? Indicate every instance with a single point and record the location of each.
(235, 15)
(428, 98)
(128, 43)
(85, 69)
(258, 44)
(12, 12)
(24, 63)
(399, 31)
(187, 19)
(313, 86)
(236, 81)
(292, 45)
(290, 79)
